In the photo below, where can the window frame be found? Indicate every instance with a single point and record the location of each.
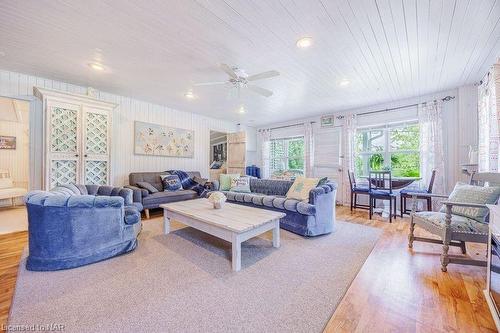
(387, 151)
(286, 158)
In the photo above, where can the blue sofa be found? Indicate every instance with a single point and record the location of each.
(312, 218)
(75, 225)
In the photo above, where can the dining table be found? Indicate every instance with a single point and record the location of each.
(398, 183)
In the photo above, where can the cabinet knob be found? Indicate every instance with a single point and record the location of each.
(85, 155)
(76, 155)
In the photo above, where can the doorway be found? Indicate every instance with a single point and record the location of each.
(14, 163)
(217, 154)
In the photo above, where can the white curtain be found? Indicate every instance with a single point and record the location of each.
(488, 118)
(264, 141)
(309, 149)
(347, 157)
(431, 145)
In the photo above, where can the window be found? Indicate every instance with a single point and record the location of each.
(287, 155)
(394, 146)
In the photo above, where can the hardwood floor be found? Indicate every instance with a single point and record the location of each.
(11, 247)
(397, 289)
(403, 290)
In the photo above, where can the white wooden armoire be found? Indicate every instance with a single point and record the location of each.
(77, 139)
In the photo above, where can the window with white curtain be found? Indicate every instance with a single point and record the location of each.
(395, 146)
(287, 155)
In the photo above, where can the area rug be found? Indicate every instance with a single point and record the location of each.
(183, 282)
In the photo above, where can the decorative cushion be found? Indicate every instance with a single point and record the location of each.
(472, 194)
(301, 187)
(458, 223)
(241, 184)
(199, 180)
(171, 183)
(147, 186)
(6, 183)
(408, 190)
(361, 189)
(322, 181)
(216, 165)
(225, 181)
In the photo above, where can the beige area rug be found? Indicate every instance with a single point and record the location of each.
(183, 282)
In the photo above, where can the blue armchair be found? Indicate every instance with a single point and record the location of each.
(75, 225)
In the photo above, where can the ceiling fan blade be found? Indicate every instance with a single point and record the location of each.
(229, 71)
(263, 75)
(259, 90)
(210, 83)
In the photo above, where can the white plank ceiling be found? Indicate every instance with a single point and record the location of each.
(156, 50)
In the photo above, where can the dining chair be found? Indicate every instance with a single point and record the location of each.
(380, 187)
(355, 190)
(405, 196)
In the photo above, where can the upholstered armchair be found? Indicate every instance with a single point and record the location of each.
(462, 218)
(75, 225)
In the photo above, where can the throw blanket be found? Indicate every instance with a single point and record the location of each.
(187, 182)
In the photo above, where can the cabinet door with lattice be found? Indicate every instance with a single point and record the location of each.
(63, 149)
(96, 146)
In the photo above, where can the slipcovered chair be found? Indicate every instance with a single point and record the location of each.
(463, 217)
(75, 225)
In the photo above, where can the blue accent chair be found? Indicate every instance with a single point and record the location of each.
(75, 225)
(307, 218)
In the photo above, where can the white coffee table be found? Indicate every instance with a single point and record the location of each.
(233, 223)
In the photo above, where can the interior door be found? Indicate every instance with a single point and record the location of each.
(236, 153)
(327, 153)
(96, 124)
(64, 151)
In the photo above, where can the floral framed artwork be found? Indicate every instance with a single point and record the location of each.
(7, 142)
(158, 140)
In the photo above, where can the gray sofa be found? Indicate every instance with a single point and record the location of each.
(154, 200)
(312, 218)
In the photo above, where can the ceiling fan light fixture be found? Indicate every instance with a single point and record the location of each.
(304, 42)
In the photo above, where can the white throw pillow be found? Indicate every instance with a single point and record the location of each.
(241, 184)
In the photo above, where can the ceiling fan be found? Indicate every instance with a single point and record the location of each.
(238, 78)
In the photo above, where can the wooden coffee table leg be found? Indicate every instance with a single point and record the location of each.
(236, 253)
(166, 223)
(276, 234)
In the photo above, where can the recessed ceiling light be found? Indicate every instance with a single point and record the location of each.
(344, 83)
(241, 109)
(304, 42)
(96, 66)
(189, 95)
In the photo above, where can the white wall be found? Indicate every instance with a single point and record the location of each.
(16, 160)
(129, 109)
(459, 124)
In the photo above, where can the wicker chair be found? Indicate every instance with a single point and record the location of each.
(454, 230)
